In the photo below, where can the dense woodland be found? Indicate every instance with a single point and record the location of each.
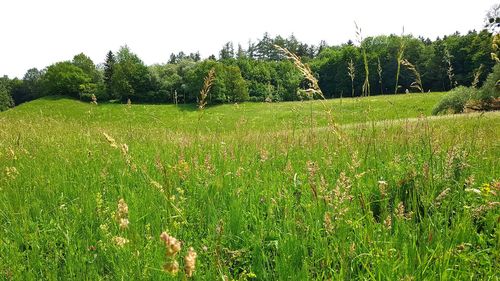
(260, 72)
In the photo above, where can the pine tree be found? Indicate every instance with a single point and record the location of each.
(109, 65)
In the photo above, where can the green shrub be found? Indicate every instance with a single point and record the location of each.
(455, 100)
(6, 100)
(490, 90)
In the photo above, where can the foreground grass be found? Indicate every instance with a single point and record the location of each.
(257, 190)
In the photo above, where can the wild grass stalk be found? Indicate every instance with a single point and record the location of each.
(449, 70)
(207, 85)
(417, 84)
(366, 83)
(351, 71)
(313, 89)
(477, 75)
(379, 72)
(399, 59)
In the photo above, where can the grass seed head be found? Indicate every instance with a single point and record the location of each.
(190, 262)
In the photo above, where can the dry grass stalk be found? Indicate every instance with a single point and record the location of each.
(477, 75)
(351, 71)
(314, 88)
(122, 214)
(366, 83)
(495, 48)
(305, 70)
(379, 72)
(110, 140)
(207, 85)
(449, 71)
(401, 51)
(93, 99)
(417, 84)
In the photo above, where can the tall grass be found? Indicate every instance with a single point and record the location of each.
(256, 199)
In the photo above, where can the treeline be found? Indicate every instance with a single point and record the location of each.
(260, 72)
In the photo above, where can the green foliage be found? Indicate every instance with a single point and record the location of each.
(131, 78)
(266, 75)
(236, 86)
(109, 68)
(491, 88)
(64, 78)
(87, 65)
(455, 100)
(6, 100)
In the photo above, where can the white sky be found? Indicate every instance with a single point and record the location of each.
(36, 33)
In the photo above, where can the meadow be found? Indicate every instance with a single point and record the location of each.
(378, 190)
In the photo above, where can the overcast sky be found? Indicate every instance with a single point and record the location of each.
(38, 33)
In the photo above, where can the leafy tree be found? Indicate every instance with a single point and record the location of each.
(6, 100)
(87, 65)
(131, 78)
(227, 51)
(236, 86)
(64, 78)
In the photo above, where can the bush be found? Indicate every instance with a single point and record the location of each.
(455, 100)
(6, 101)
(490, 89)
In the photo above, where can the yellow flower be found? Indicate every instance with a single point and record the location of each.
(485, 188)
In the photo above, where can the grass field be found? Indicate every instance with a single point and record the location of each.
(260, 191)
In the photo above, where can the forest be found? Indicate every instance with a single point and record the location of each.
(366, 66)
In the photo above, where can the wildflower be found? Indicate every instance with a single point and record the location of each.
(120, 241)
(190, 262)
(485, 188)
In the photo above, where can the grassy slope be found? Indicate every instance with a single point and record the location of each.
(257, 116)
(246, 190)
